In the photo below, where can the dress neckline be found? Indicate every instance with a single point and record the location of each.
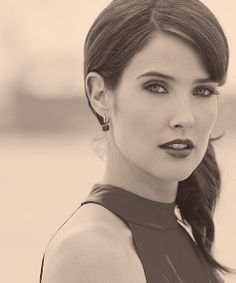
(135, 208)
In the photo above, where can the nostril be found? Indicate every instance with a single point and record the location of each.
(178, 126)
(185, 123)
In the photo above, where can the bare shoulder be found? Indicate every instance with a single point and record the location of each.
(87, 255)
(90, 252)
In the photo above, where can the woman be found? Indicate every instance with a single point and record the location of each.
(152, 72)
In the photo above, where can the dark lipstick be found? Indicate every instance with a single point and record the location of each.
(178, 148)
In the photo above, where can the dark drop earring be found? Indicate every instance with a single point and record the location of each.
(105, 125)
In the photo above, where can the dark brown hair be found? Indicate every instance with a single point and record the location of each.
(123, 29)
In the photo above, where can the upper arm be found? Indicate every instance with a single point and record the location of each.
(86, 257)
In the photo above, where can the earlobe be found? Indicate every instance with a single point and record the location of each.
(96, 92)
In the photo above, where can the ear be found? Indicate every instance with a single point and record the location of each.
(97, 93)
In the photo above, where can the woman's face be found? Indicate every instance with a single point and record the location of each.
(165, 95)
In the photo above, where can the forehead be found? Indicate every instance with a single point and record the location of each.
(170, 55)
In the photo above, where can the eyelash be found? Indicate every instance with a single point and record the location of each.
(211, 91)
(149, 87)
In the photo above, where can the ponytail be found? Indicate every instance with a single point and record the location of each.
(196, 200)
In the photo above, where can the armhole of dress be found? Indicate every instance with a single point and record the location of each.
(136, 248)
(43, 259)
(41, 270)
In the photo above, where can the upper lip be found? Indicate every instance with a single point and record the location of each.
(187, 142)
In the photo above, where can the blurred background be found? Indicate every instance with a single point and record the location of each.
(47, 164)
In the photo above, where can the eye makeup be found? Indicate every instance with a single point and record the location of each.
(155, 86)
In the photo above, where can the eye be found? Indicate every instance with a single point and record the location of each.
(205, 91)
(155, 87)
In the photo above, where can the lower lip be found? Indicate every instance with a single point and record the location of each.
(178, 153)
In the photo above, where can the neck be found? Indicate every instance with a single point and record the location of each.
(122, 173)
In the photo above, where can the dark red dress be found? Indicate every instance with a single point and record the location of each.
(166, 250)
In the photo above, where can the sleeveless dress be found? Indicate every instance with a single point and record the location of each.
(166, 250)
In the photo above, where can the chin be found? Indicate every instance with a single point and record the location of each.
(183, 177)
(182, 171)
(175, 175)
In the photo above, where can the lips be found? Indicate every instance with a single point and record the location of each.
(178, 144)
(178, 148)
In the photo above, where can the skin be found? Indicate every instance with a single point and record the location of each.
(152, 110)
(149, 111)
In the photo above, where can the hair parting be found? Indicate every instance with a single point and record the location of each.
(123, 29)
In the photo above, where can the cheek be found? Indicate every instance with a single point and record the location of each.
(135, 126)
(208, 116)
(131, 125)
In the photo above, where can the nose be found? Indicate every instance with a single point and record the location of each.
(182, 117)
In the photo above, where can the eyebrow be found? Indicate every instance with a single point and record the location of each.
(205, 80)
(171, 78)
(157, 74)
